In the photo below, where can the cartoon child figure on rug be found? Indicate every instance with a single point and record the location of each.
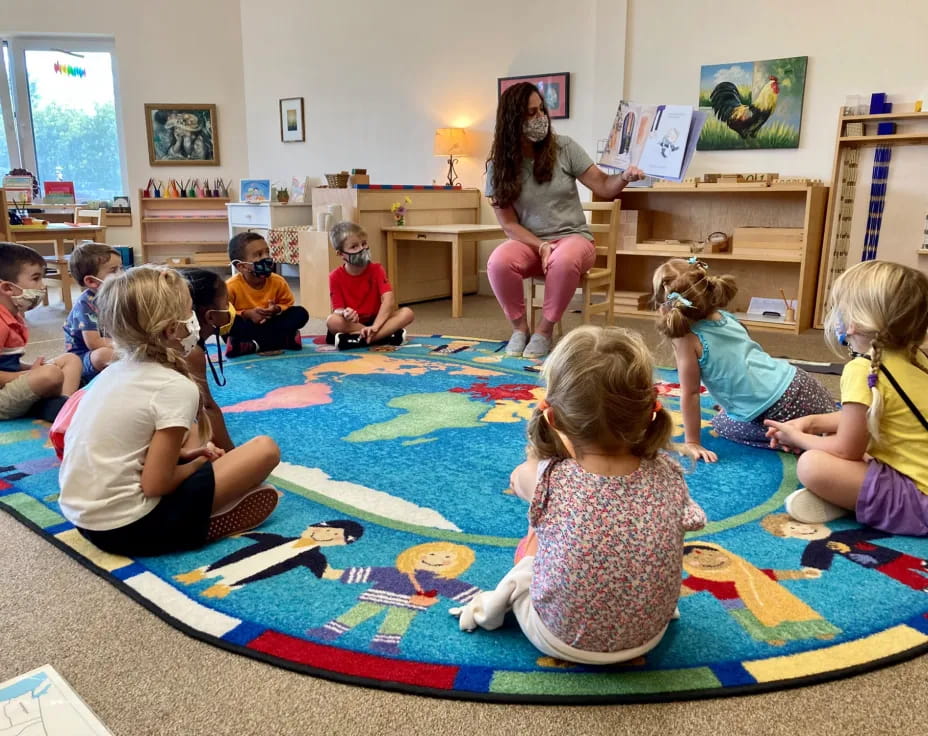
(765, 609)
(854, 545)
(421, 574)
(273, 554)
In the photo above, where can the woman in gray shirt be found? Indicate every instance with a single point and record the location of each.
(532, 184)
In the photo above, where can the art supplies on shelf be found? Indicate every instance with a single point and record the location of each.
(658, 139)
(186, 189)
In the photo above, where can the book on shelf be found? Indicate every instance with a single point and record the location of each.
(59, 192)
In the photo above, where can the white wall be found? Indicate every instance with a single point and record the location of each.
(854, 47)
(381, 77)
(168, 51)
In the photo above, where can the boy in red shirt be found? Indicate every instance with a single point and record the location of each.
(41, 388)
(364, 310)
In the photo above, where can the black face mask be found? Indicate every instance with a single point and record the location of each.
(264, 267)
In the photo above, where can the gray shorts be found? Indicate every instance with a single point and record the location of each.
(16, 398)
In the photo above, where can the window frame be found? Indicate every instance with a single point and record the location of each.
(20, 136)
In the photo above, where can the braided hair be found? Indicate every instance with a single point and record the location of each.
(136, 307)
(886, 304)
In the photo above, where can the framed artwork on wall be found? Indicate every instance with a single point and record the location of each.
(182, 134)
(752, 104)
(292, 120)
(255, 190)
(554, 89)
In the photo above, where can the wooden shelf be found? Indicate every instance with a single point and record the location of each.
(785, 258)
(185, 200)
(181, 220)
(712, 189)
(922, 251)
(760, 324)
(894, 138)
(150, 243)
(886, 116)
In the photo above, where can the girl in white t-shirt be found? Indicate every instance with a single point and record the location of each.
(138, 476)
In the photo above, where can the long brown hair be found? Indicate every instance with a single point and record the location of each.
(506, 151)
(698, 294)
(600, 383)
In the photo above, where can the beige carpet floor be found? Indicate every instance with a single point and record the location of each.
(143, 677)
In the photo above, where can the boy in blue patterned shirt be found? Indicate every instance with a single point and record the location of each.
(90, 264)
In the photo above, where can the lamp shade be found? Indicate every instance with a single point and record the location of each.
(451, 142)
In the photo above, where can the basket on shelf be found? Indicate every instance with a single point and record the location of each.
(337, 181)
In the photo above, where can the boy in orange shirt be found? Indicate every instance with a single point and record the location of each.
(265, 316)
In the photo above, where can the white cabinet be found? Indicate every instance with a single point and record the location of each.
(263, 216)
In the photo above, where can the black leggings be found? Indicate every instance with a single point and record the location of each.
(273, 334)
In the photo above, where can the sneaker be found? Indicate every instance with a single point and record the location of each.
(347, 340)
(234, 348)
(397, 338)
(295, 342)
(806, 507)
(516, 344)
(538, 347)
(247, 513)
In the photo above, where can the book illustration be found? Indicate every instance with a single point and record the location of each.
(41, 703)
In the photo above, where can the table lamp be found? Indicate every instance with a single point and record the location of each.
(451, 142)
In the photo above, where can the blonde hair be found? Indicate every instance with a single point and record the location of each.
(700, 294)
(136, 307)
(408, 559)
(776, 524)
(342, 231)
(601, 393)
(887, 304)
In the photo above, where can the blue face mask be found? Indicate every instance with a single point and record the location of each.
(840, 331)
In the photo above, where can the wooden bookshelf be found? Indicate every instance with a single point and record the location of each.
(692, 214)
(193, 229)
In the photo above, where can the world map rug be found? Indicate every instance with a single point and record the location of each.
(395, 477)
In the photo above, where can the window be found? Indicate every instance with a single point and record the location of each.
(59, 114)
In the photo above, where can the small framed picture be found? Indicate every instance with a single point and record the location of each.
(255, 190)
(553, 88)
(121, 204)
(291, 120)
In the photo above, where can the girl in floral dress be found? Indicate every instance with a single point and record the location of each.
(609, 509)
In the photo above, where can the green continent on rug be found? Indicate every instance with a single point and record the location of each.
(396, 508)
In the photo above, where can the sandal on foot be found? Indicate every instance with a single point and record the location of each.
(248, 513)
(804, 506)
(516, 344)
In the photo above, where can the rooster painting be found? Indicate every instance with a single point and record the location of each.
(752, 104)
(745, 120)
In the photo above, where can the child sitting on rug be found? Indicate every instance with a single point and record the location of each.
(364, 308)
(39, 389)
(873, 457)
(608, 509)
(711, 347)
(156, 485)
(266, 319)
(90, 264)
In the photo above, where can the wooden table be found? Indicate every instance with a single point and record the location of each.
(58, 233)
(456, 236)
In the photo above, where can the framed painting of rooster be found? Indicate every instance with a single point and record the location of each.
(752, 104)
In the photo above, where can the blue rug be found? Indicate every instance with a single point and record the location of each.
(396, 461)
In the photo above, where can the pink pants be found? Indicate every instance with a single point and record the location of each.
(512, 262)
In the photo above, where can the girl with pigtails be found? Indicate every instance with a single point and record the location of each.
(712, 348)
(872, 457)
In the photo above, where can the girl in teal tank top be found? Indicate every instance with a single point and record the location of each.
(713, 349)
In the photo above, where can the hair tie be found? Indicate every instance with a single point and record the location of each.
(871, 380)
(673, 298)
(657, 409)
(543, 404)
(694, 261)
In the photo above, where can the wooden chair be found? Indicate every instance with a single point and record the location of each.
(600, 279)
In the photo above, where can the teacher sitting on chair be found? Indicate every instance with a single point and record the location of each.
(531, 183)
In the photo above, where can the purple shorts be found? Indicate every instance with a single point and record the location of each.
(890, 501)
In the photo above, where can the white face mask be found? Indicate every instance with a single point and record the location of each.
(188, 343)
(535, 129)
(28, 298)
